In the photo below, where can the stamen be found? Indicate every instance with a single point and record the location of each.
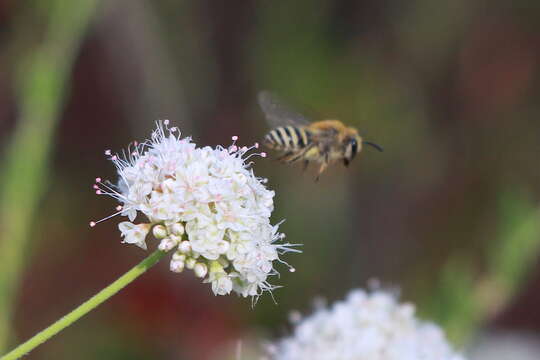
(263, 154)
(233, 146)
(94, 223)
(98, 179)
(108, 152)
(254, 146)
(291, 269)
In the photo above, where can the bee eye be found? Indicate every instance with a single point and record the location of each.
(351, 149)
(354, 147)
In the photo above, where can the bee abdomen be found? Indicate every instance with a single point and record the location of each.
(288, 138)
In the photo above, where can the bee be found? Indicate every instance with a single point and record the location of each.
(299, 138)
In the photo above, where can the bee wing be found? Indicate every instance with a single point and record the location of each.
(277, 114)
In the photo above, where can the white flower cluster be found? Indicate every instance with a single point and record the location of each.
(367, 326)
(204, 203)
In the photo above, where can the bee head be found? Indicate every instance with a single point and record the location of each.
(353, 145)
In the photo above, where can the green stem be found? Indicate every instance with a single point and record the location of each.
(85, 307)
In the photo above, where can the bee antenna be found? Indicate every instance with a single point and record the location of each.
(373, 145)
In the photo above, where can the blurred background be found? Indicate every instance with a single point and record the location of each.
(448, 213)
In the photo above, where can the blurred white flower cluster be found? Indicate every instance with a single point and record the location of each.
(204, 203)
(506, 345)
(367, 326)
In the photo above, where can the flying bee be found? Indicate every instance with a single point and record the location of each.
(298, 138)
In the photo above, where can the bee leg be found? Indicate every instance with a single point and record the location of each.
(321, 170)
(294, 158)
(299, 155)
(284, 156)
(306, 163)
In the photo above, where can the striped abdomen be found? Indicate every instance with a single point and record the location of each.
(288, 138)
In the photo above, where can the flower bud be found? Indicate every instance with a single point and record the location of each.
(166, 244)
(159, 231)
(177, 229)
(200, 270)
(177, 266)
(190, 263)
(177, 256)
(184, 247)
(175, 238)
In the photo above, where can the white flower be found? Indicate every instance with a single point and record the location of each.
(367, 326)
(221, 281)
(134, 234)
(204, 203)
(222, 285)
(506, 345)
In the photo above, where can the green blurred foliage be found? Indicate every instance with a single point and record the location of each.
(40, 77)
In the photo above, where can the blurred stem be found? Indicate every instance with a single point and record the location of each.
(86, 307)
(465, 299)
(41, 77)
